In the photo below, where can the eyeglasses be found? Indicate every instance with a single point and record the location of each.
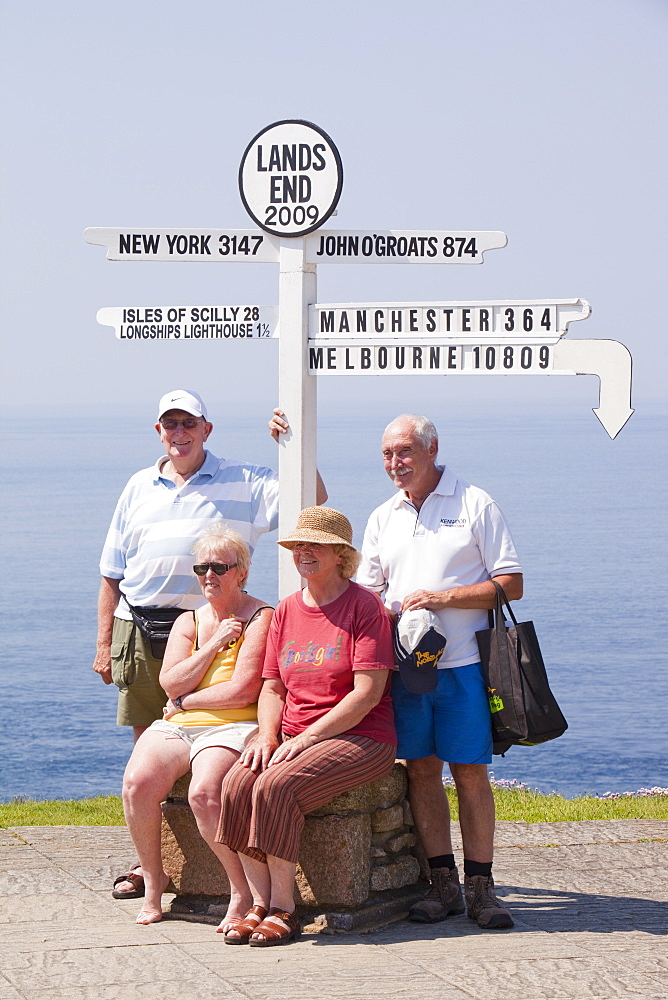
(188, 424)
(220, 569)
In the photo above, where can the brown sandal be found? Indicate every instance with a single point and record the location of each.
(245, 927)
(134, 879)
(277, 935)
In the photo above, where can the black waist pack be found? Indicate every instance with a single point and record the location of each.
(524, 710)
(155, 624)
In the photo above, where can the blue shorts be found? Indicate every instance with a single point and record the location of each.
(452, 722)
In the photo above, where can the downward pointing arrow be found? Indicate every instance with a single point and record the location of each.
(611, 361)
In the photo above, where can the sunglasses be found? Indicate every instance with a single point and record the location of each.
(188, 423)
(220, 569)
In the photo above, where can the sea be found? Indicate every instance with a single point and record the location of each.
(588, 515)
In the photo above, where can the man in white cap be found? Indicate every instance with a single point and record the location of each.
(437, 544)
(146, 563)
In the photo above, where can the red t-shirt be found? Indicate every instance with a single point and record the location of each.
(315, 652)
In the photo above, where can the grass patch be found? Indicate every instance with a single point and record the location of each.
(103, 810)
(536, 807)
(512, 803)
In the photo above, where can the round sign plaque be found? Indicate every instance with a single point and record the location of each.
(290, 178)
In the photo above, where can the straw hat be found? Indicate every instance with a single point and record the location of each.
(320, 524)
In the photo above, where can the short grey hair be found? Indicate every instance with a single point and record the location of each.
(423, 428)
(220, 536)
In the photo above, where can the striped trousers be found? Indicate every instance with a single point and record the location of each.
(263, 812)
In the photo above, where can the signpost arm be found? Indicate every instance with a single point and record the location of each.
(297, 398)
(611, 361)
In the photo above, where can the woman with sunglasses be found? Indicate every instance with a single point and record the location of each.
(325, 721)
(212, 672)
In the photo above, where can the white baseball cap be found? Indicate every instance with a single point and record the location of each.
(418, 645)
(182, 399)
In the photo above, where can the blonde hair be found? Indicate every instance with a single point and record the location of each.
(219, 536)
(350, 560)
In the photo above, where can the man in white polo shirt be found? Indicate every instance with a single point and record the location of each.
(147, 558)
(437, 544)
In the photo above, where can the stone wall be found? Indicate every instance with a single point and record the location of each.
(358, 862)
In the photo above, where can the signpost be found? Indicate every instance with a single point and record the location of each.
(397, 245)
(191, 323)
(290, 180)
(611, 361)
(232, 246)
(514, 322)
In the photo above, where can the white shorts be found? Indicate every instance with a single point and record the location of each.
(234, 735)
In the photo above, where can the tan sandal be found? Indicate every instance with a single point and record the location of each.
(247, 926)
(274, 934)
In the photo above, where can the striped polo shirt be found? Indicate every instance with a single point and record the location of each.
(155, 524)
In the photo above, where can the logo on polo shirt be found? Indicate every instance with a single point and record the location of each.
(454, 522)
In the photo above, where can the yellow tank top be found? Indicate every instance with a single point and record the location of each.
(220, 670)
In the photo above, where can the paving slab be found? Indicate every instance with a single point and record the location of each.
(8, 838)
(131, 991)
(470, 944)
(593, 856)
(549, 979)
(21, 860)
(154, 963)
(100, 838)
(76, 934)
(185, 932)
(59, 910)
(38, 881)
(590, 831)
(590, 902)
(335, 984)
(353, 955)
(8, 992)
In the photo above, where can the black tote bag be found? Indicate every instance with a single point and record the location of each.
(524, 710)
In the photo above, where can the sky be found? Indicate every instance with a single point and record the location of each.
(545, 121)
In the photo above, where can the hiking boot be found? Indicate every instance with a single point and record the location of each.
(482, 903)
(443, 899)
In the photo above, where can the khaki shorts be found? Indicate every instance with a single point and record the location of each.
(135, 672)
(233, 735)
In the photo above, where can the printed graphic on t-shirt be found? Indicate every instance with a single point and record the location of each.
(310, 653)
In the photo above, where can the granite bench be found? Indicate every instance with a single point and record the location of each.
(360, 865)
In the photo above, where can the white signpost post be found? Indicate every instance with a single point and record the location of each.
(290, 180)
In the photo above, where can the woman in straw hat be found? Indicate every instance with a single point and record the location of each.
(325, 721)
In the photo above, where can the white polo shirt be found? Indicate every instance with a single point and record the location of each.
(459, 537)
